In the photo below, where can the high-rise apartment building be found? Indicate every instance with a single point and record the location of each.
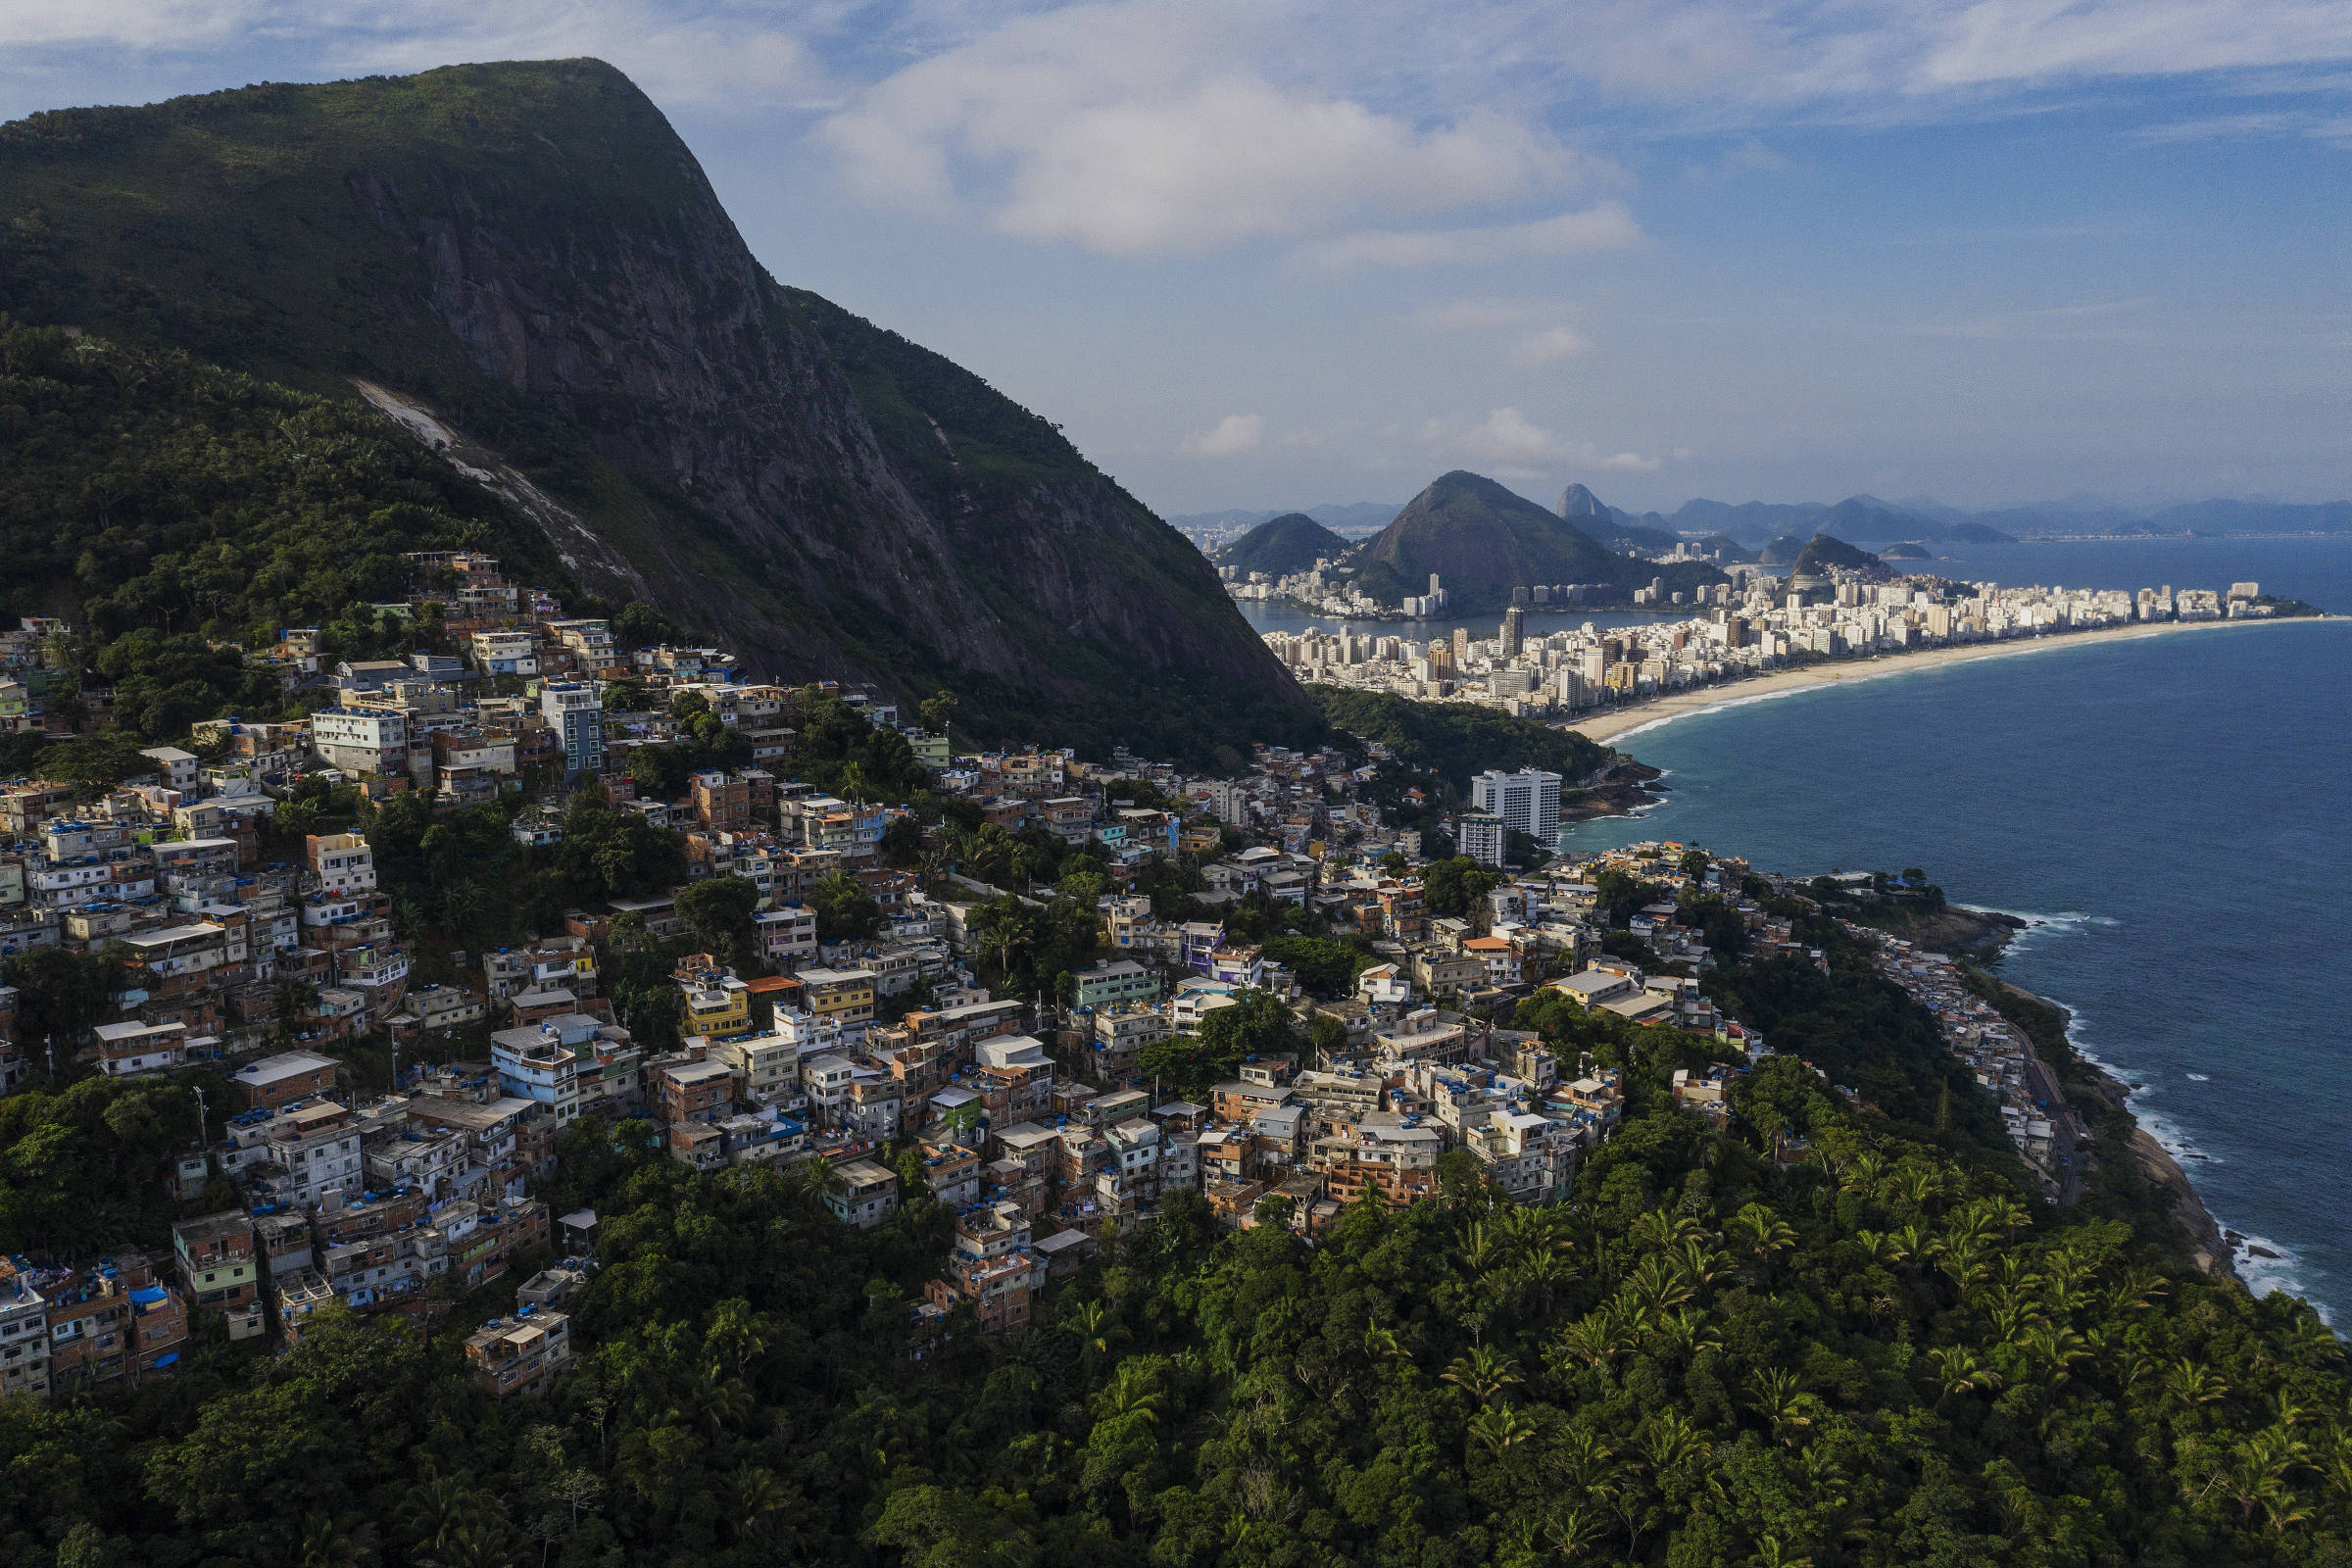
(1526, 801)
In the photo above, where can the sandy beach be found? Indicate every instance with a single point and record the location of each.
(1617, 724)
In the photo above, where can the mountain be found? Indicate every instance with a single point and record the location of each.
(1353, 519)
(1484, 540)
(1279, 546)
(1580, 506)
(1906, 551)
(2254, 517)
(1749, 521)
(1822, 552)
(526, 259)
(1614, 526)
(1782, 551)
(1855, 517)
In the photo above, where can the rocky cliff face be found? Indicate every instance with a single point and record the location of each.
(530, 255)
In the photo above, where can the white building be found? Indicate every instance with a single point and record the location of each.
(1528, 801)
(362, 740)
(1482, 836)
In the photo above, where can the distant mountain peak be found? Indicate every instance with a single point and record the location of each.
(1578, 501)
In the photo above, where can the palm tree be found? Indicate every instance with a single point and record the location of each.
(434, 1510)
(1959, 1371)
(1761, 1234)
(2191, 1384)
(1483, 1248)
(1684, 1335)
(1544, 1275)
(1669, 1438)
(754, 1497)
(345, 1543)
(1484, 1372)
(1097, 1326)
(1657, 1230)
(1589, 1341)
(1780, 1402)
(1569, 1532)
(1920, 1185)
(1658, 1285)
(1861, 1173)
(1881, 1247)
(1500, 1428)
(1130, 1399)
(1770, 1554)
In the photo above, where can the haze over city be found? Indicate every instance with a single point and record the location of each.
(1274, 255)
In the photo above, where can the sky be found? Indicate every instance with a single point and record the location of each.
(1259, 254)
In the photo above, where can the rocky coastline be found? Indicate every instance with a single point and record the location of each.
(2204, 1241)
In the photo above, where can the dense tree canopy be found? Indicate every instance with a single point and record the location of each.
(1823, 1334)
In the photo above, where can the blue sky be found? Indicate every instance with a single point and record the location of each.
(1266, 255)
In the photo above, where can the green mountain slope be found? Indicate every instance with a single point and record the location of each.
(1484, 540)
(1823, 552)
(530, 253)
(1279, 546)
(173, 507)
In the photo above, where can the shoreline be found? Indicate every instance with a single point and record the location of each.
(1622, 723)
(2207, 1243)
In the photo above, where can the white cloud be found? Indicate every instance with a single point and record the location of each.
(1605, 225)
(1506, 439)
(1234, 435)
(1552, 343)
(1159, 129)
(1509, 445)
(712, 54)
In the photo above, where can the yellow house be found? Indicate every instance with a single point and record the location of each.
(840, 995)
(718, 1007)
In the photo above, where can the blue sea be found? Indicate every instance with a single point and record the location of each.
(2172, 816)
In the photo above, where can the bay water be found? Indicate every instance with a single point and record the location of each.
(2174, 816)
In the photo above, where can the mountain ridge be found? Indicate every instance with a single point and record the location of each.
(529, 253)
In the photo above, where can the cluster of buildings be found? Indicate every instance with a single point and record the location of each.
(2033, 1109)
(1034, 1119)
(1741, 629)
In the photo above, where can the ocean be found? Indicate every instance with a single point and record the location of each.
(2171, 815)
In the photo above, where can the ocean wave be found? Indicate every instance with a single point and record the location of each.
(2040, 927)
(2266, 1266)
(2196, 1077)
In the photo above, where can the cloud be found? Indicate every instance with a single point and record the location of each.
(1506, 440)
(1230, 436)
(2093, 321)
(1605, 225)
(1510, 445)
(712, 54)
(2262, 124)
(1552, 343)
(1626, 462)
(1159, 130)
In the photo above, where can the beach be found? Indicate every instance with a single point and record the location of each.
(1617, 724)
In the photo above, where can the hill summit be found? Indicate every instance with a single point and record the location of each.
(1281, 546)
(525, 258)
(1484, 540)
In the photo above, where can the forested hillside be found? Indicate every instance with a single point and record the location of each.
(175, 508)
(1822, 1337)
